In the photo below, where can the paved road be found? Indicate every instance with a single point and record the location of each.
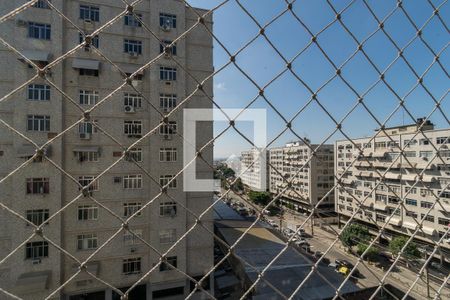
(321, 241)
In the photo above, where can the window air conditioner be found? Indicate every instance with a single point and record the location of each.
(36, 261)
(134, 54)
(129, 109)
(85, 136)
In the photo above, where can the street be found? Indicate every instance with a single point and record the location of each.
(321, 240)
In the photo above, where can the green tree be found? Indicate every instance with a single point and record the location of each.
(397, 243)
(354, 234)
(261, 198)
(371, 254)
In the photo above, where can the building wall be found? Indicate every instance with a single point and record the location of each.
(194, 53)
(361, 177)
(311, 178)
(254, 169)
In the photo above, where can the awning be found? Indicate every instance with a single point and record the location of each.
(379, 205)
(392, 176)
(33, 281)
(86, 149)
(92, 267)
(429, 230)
(395, 221)
(90, 64)
(379, 154)
(29, 150)
(36, 55)
(409, 177)
(410, 225)
(130, 69)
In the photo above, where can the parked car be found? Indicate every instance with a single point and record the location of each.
(348, 265)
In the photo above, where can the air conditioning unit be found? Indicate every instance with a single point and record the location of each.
(166, 109)
(132, 250)
(88, 24)
(129, 109)
(22, 23)
(85, 136)
(166, 27)
(134, 54)
(167, 55)
(36, 261)
(168, 82)
(117, 179)
(167, 137)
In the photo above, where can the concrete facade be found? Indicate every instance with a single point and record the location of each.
(255, 169)
(311, 179)
(126, 186)
(399, 183)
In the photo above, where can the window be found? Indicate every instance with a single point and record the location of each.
(410, 154)
(38, 123)
(37, 216)
(428, 218)
(168, 209)
(168, 154)
(131, 208)
(443, 140)
(167, 21)
(88, 97)
(134, 100)
(38, 186)
(167, 74)
(411, 202)
(132, 181)
(167, 101)
(88, 72)
(135, 154)
(89, 156)
(133, 20)
(89, 13)
(426, 154)
(94, 40)
(132, 46)
(167, 236)
(444, 153)
(173, 48)
(379, 145)
(167, 180)
(426, 204)
(131, 266)
(169, 128)
(39, 31)
(41, 4)
(424, 142)
(36, 250)
(411, 214)
(411, 190)
(87, 127)
(38, 92)
(87, 241)
(132, 128)
(380, 218)
(170, 261)
(86, 180)
(409, 143)
(132, 239)
(443, 221)
(87, 212)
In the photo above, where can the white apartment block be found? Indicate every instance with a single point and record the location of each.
(254, 169)
(361, 179)
(39, 111)
(311, 176)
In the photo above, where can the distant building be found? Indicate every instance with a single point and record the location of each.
(376, 157)
(311, 176)
(254, 169)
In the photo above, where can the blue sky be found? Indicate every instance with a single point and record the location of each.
(260, 61)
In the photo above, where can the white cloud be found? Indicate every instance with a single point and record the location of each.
(221, 86)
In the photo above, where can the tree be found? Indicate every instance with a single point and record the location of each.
(238, 185)
(397, 243)
(261, 198)
(371, 254)
(354, 234)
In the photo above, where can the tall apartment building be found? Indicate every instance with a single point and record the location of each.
(254, 169)
(39, 111)
(381, 153)
(311, 176)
